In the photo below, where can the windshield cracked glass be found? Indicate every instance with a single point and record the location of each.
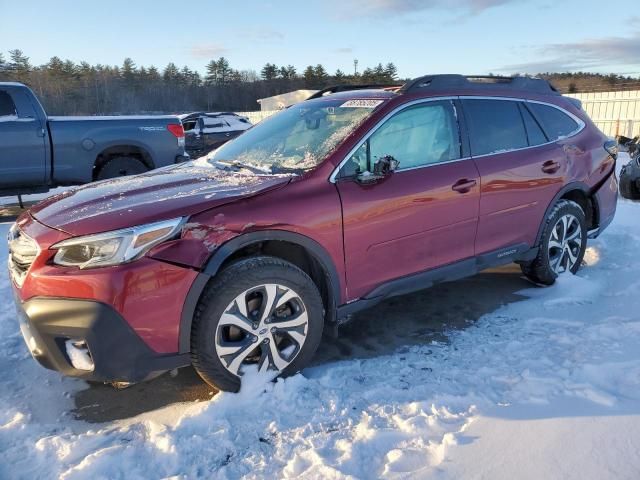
(296, 139)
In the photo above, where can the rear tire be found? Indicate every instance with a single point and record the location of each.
(629, 177)
(261, 312)
(562, 246)
(121, 167)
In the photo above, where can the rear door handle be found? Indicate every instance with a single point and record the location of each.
(550, 166)
(464, 185)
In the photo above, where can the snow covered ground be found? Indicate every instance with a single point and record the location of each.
(546, 387)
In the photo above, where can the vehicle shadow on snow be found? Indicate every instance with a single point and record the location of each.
(413, 319)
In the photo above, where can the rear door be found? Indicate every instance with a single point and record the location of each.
(520, 171)
(420, 217)
(22, 142)
(216, 131)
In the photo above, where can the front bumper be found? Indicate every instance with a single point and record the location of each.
(116, 351)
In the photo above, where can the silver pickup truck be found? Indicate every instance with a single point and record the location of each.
(39, 152)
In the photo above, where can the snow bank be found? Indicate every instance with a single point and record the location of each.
(547, 387)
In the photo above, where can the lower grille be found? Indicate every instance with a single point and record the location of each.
(23, 251)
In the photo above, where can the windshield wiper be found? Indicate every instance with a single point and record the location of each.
(278, 169)
(240, 165)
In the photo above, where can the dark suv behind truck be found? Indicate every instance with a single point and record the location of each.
(238, 261)
(39, 152)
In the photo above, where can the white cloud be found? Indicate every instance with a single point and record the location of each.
(208, 50)
(588, 54)
(377, 8)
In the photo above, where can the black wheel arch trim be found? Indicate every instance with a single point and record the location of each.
(212, 267)
(580, 186)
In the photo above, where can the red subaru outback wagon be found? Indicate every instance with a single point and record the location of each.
(238, 261)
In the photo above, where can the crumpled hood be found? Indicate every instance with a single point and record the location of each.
(174, 191)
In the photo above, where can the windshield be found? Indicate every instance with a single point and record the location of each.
(296, 139)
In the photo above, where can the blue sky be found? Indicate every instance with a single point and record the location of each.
(428, 36)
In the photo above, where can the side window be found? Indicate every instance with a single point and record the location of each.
(555, 123)
(417, 136)
(212, 124)
(494, 126)
(534, 133)
(190, 124)
(7, 107)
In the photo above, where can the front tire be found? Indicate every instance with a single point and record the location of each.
(563, 243)
(262, 313)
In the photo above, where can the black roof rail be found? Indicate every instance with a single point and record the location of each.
(346, 88)
(446, 81)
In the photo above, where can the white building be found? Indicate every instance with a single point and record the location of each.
(278, 102)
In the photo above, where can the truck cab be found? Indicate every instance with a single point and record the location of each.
(38, 152)
(25, 154)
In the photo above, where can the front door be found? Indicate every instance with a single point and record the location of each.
(22, 144)
(422, 216)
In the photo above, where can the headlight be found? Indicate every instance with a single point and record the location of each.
(114, 248)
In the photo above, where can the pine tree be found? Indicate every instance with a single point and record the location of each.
(391, 72)
(171, 73)
(309, 76)
(367, 75)
(320, 73)
(211, 78)
(128, 72)
(269, 72)
(153, 74)
(224, 71)
(288, 72)
(19, 65)
(339, 75)
(378, 74)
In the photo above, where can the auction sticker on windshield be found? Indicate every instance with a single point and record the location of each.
(362, 103)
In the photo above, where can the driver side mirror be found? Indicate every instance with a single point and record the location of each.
(383, 167)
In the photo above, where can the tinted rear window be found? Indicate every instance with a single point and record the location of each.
(555, 123)
(494, 126)
(534, 132)
(7, 107)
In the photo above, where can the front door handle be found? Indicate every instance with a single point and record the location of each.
(464, 185)
(550, 166)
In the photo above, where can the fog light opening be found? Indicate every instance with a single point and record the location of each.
(79, 355)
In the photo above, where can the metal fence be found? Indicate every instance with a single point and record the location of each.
(615, 113)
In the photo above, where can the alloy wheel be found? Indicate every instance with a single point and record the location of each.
(264, 326)
(565, 244)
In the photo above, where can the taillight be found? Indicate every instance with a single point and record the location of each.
(612, 148)
(176, 129)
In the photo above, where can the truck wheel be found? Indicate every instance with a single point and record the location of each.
(563, 243)
(121, 167)
(629, 178)
(260, 313)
